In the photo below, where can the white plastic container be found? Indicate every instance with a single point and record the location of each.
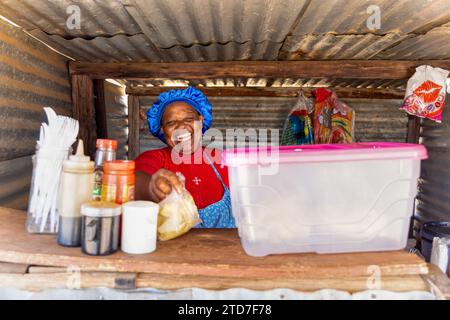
(324, 198)
(139, 225)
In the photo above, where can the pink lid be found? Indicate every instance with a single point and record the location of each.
(324, 153)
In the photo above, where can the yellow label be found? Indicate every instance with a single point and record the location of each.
(109, 193)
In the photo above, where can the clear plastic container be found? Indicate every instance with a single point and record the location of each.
(42, 213)
(324, 198)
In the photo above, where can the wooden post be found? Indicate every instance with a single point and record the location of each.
(100, 109)
(133, 127)
(413, 133)
(83, 110)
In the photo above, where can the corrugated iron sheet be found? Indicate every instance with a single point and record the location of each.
(435, 44)
(15, 177)
(185, 22)
(210, 30)
(117, 117)
(31, 77)
(98, 18)
(139, 48)
(350, 16)
(376, 120)
(330, 46)
(434, 184)
(278, 82)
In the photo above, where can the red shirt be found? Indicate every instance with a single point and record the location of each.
(201, 180)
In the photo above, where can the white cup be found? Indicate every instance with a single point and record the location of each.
(139, 225)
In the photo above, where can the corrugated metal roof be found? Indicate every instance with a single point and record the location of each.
(350, 16)
(186, 22)
(98, 18)
(435, 44)
(278, 82)
(209, 30)
(139, 48)
(330, 46)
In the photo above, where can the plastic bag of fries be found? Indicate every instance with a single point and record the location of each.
(177, 214)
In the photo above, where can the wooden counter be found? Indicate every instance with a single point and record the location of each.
(205, 258)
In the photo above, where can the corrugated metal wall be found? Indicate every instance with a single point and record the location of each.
(433, 201)
(31, 77)
(117, 117)
(376, 120)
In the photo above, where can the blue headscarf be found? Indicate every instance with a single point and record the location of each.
(191, 96)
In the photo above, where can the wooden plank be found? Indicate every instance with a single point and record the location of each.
(13, 268)
(173, 282)
(439, 282)
(413, 130)
(68, 280)
(100, 109)
(350, 69)
(201, 252)
(359, 93)
(83, 111)
(46, 269)
(133, 127)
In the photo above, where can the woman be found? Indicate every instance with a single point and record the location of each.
(179, 118)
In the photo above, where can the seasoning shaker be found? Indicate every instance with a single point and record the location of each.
(100, 227)
(106, 151)
(77, 181)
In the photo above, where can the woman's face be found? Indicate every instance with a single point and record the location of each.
(182, 127)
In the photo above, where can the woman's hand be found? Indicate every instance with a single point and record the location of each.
(161, 184)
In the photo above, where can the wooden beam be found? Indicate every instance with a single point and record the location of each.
(83, 110)
(133, 127)
(361, 93)
(100, 109)
(413, 133)
(67, 280)
(350, 284)
(350, 69)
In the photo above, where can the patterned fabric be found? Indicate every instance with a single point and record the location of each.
(191, 96)
(218, 215)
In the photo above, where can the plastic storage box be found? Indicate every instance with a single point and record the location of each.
(324, 198)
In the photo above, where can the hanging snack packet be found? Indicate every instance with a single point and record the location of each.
(177, 214)
(425, 93)
(334, 121)
(298, 126)
(342, 122)
(323, 109)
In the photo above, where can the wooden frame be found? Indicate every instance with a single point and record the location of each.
(347, 69)
(87, 77)
(133, 127)
(356, 93)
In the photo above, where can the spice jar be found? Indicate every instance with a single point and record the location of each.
(106, 151)
(77, 181)
(118, 181)
(100, 227)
